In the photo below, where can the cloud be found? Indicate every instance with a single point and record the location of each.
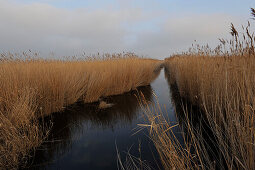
(177, 34)
(45, 28)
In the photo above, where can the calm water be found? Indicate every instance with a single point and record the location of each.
(85, 137)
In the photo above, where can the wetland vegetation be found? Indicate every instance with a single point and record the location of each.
(213, 95)
(35, 88)
(49, 107)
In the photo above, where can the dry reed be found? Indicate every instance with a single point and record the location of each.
(33, 88)
(220, 83)
(224, 90)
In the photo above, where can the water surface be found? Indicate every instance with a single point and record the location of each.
(86, 137)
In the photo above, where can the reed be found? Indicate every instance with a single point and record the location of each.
(220, 84)
(223, 88)
(34, 88)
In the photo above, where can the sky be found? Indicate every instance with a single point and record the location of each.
(149, 28)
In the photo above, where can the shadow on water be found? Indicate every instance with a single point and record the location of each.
(81, 121)
(85, 137)
(193, 122)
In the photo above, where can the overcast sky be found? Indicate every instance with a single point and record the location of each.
(152, 28)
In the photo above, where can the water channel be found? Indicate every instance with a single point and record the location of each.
(85, 137)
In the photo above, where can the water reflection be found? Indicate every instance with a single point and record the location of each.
(194, 123)
(69, 126)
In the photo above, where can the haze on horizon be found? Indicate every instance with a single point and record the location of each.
(152, 28)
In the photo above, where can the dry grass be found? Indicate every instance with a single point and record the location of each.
(220, 85)
(34, 88)
(172, 154)
(224, 90)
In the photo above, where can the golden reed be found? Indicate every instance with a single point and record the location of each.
(33, 88)
(220, 84)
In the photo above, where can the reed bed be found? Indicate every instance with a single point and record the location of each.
(215, 91)
(223, 88)
(34, 88)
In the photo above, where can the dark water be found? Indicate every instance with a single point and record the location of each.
(85, 137)
(193, 122)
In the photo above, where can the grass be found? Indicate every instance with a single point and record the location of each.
(34, 88)
(215, 91)
(224, 90)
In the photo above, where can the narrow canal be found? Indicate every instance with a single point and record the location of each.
(86, 137)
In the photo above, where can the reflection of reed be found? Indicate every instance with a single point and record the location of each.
(181, 105)
(194, 124)
(73, 119)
